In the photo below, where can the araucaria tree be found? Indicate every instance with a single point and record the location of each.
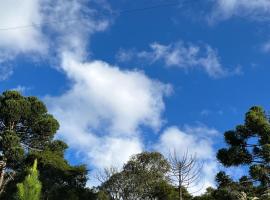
(185, 171)
(249, 144)
(26, 133)
(30, 188)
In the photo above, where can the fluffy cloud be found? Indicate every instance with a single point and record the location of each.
(114, 151)
(46, 28)
(22, 39)
(182, 55)
(224, 9)
(101, 114)
(198, 141)
(15, 34)
(72, 23)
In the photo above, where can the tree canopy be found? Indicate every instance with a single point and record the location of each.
(144, 176)
(249, 144)
(27, 133)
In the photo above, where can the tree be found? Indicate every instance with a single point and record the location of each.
(26, 133)
(105, 174)
(140, 177)
(165, 191)
(266, 195)
(249, 144)
(30, 189)
(229, 189)
(185, 171)
(102, 195)
(226, 187)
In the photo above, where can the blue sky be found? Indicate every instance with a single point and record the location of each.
(121, 80)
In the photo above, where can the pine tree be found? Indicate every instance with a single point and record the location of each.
(27, 133)
(30, 188)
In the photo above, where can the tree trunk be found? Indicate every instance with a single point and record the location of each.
(180, 187)
(2, 174)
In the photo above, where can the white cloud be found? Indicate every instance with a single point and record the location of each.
(73, 22)
(47, 27)
(197, 140)
(257, 9)
(182, 55)
(101, 114)
(5, 71)
(21, 88)
(14, 13)
(266, 47)
(114, 151)
(124, 55)
(16, 33)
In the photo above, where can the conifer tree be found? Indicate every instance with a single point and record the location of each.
(30, 188)
(27, 133)
(249, 144)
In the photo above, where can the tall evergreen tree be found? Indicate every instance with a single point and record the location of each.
(30, 188)
(249, 144)
(26, 133)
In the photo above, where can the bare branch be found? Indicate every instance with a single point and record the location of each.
(185, 170)
(106, 173)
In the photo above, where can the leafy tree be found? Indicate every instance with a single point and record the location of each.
(30, 189)
(227, 189)
(164, 191)
(249, 144)
(142, 177)
(26, 133)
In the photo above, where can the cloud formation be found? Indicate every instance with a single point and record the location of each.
(225, 9)
(46, 28)
(101, 114)
(16, 36)
(182, 55)
(103, 111)
(20, 38)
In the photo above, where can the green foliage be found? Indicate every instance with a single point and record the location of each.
(30, 189)
(266, 195)
(223, 180)
(27, 131)
(12, 149)
(24, 124)
(142, 177)
(103, 195)
(249, 144)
